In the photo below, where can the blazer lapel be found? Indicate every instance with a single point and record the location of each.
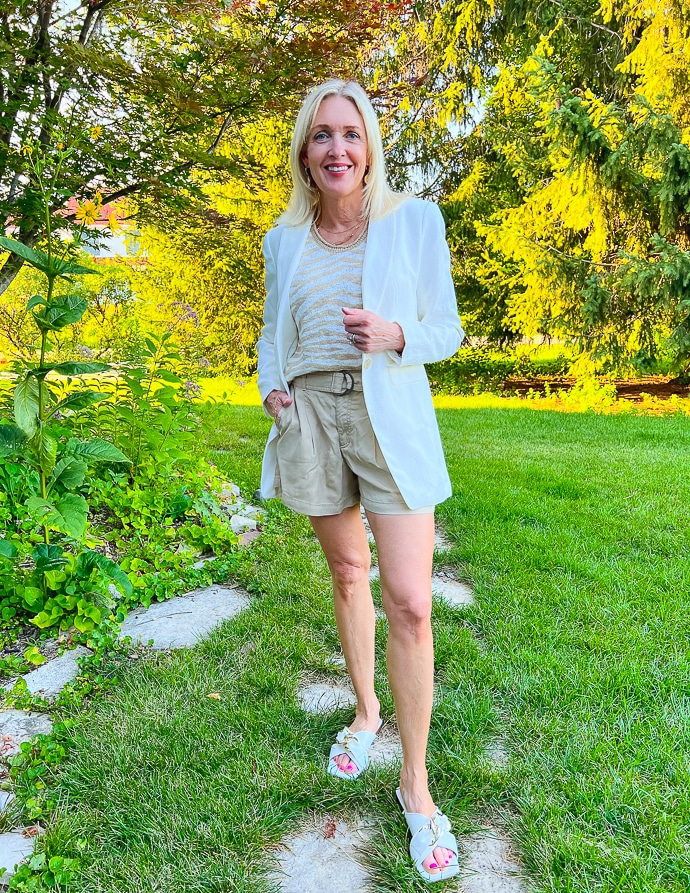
(289, 253)
(377, 261)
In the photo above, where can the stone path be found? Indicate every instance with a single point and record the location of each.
(323, 858)
(323, 855)
(49, 679)
(181, 621)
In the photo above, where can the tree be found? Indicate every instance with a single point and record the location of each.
(159, 86)
(569, 201)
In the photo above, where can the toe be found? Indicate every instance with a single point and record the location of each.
(344, 763)
(443, 857)
(431, 863)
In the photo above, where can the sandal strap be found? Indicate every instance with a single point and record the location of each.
(427, 839)
(427, 833)
(355, 745)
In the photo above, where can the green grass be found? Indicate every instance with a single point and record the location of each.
(573, 530)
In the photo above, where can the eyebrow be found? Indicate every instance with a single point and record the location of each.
(316, 127)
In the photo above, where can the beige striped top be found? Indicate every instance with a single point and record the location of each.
(326, 280)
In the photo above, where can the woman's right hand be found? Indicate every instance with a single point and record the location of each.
(276, 401)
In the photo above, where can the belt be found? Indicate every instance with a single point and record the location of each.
(340, 383)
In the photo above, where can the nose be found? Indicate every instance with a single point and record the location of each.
(337, 144)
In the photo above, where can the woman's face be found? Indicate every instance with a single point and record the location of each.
(336, 149)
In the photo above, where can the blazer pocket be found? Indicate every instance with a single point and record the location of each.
(407, 374)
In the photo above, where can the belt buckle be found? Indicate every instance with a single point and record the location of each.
(348, 383)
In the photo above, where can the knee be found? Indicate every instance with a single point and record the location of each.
(349, 572)
(410, 616)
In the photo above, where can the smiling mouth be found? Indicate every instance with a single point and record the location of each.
(337, 168)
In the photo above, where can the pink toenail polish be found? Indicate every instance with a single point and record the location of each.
(433, 865)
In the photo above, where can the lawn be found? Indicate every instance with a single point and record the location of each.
(574, 531)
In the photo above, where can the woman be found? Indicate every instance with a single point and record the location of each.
(359, 297)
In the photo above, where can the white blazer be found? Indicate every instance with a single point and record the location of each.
(405, 279)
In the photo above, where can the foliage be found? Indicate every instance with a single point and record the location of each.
(59, 577)
(475, 370)
(570, 217)
(161, 85)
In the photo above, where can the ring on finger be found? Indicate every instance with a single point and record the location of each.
(352, 338)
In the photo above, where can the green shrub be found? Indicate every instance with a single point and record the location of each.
(477, 370)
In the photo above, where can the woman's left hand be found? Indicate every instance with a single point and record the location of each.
(372, 333)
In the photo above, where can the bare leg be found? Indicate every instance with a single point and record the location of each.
(405, 545)
(344, 542)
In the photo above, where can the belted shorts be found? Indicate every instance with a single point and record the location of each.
(328, 455)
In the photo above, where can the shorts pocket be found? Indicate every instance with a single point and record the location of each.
(282, 420)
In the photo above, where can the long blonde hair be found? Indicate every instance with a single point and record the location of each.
(378, 197)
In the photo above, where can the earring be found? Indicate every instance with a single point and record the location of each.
(364, 178)
(310, 179)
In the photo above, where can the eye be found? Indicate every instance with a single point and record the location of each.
(320, 136)
(352, 135)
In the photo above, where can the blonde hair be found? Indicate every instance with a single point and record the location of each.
(378, 197)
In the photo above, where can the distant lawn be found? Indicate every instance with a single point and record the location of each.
(574, 530)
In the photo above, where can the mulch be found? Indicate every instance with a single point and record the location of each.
(632, 390)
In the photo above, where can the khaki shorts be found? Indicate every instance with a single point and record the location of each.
(328, 455)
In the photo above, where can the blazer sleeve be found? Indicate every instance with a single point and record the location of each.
(437, 333)
(269, 375)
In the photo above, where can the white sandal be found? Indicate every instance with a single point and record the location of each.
(427, 833)
(354, 745)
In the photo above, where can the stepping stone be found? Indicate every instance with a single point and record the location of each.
(451, 591)
(230, 492)
(248, 537)
(490, 865)
(49, 679)
(14, 847)
(251, 511)
(374, 573)
(324, 697)
(387, 748)
(324, 858)
(18, 726)
(497, 753)
(441, 542)
(180, 622)
(240, 524)
(6, 797)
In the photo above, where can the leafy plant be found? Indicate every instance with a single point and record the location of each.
(45, 475)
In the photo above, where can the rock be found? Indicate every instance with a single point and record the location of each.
(451, 591)
(490, 866)
(14, 847)
(49, 679)
(240, 524)
(323, 697)
(252, 511)
(387, 748)
(323, 859)
(248, 537)
(18, 726)
(182, 621)
(230, 493)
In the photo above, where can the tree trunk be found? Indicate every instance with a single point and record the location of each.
(9, 270)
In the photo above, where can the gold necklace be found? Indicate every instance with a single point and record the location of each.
(350, 235)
